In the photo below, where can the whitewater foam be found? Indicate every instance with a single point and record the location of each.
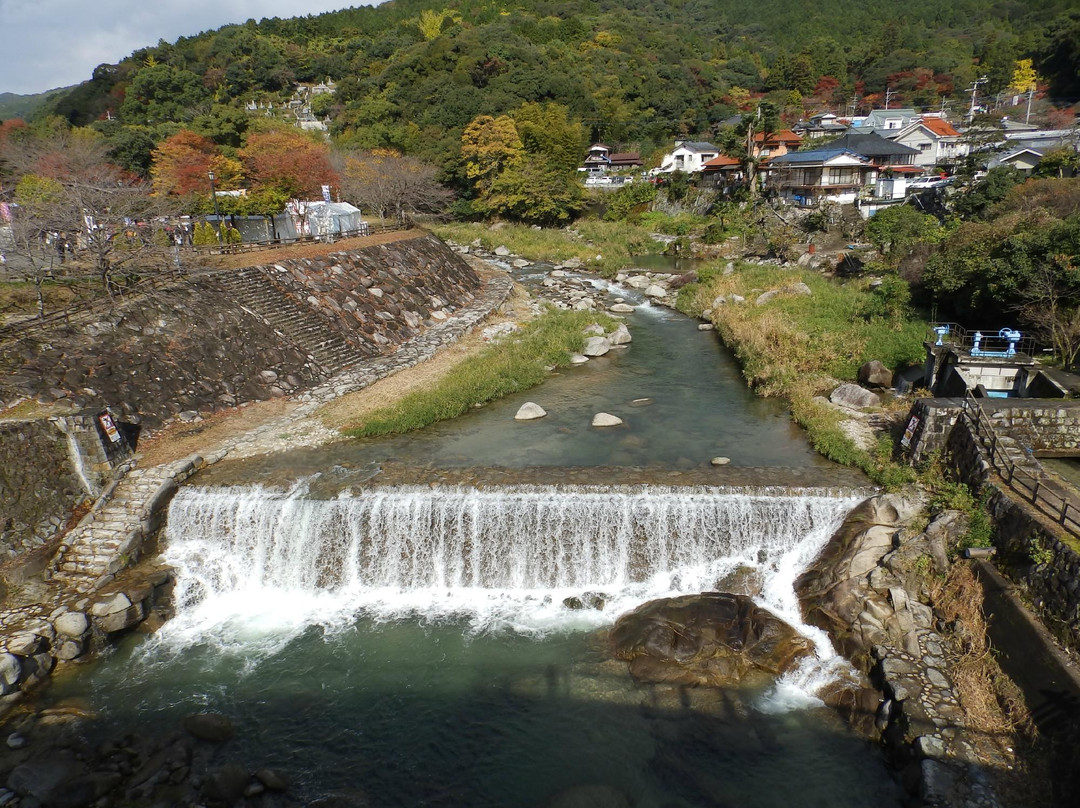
(256, 566)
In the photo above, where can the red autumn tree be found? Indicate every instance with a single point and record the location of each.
(288, 162)
(182, 164)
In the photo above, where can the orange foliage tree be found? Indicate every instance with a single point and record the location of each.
(288, 162)
(182, 162)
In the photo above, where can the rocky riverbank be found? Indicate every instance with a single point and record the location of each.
(875, 589)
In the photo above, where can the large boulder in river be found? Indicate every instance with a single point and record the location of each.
(714, 638)
(875, 374)
(854, 397)
(846, 590)
(596, 346)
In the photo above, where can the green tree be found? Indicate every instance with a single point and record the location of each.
(535, 192)
(163, 93)
(489, 146)
(1059, 163)
(988, 191)
(548, 131)
(897, 228)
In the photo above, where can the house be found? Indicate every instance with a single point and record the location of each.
(774, 144)
(882, 151)
(820, 175)
(819, 126)
(600, 160)
(722, 172)
(1023, 150)
(888, 120)
(688, 156)
(937, 141)
(1023, 159)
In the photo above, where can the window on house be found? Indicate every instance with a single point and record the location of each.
(924, 147)
(679, 160)
(841, 176)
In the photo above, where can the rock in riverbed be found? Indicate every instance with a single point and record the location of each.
(713, 638)
(529, 411)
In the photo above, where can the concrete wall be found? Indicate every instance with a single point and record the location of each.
(936, 417)
(1050, 427)
(1027, 542)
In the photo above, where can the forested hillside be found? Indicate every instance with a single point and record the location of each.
(411, 74)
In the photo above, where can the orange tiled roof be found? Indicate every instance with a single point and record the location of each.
(784, 136)
(723, 161)
(940, 127)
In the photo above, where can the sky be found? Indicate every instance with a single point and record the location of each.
(56, 43)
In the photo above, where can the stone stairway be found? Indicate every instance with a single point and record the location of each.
(297, 324)
(110, 537)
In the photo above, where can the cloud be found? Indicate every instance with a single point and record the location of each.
(55, 43)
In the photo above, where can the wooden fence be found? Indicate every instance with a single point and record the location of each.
(1047, 495)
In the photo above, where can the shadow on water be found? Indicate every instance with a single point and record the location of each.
(431, 715)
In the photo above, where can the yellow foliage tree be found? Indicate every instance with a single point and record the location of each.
(488, 146)
(431, 22)
(1024, 77)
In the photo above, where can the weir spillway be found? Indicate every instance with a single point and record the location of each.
(632, 542)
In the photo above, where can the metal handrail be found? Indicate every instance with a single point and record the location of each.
(1039, 492)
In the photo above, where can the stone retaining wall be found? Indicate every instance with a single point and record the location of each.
(381, 295)
(38, 486)
(1048, 426)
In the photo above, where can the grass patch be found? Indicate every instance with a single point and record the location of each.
(615, 242)
(20, 297)
(516, 363)
(797, 346)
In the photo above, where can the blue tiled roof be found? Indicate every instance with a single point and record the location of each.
(812, 156)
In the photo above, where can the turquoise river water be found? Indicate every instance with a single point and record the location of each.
(411, 642)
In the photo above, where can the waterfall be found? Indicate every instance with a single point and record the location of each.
(461, 549)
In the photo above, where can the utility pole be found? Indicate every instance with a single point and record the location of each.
(1030, 95)
(888, 96)
(974, 90)
(943, 105)
(217, 213)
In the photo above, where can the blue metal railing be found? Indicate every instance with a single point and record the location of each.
(984, 342)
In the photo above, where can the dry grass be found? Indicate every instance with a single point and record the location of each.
(993, 703)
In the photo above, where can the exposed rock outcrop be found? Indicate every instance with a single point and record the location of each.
(713, 638)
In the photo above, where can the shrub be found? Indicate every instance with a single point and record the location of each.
(629, 201)
(204, 235)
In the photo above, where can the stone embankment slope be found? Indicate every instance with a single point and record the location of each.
(216, 339)
(206, 344)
